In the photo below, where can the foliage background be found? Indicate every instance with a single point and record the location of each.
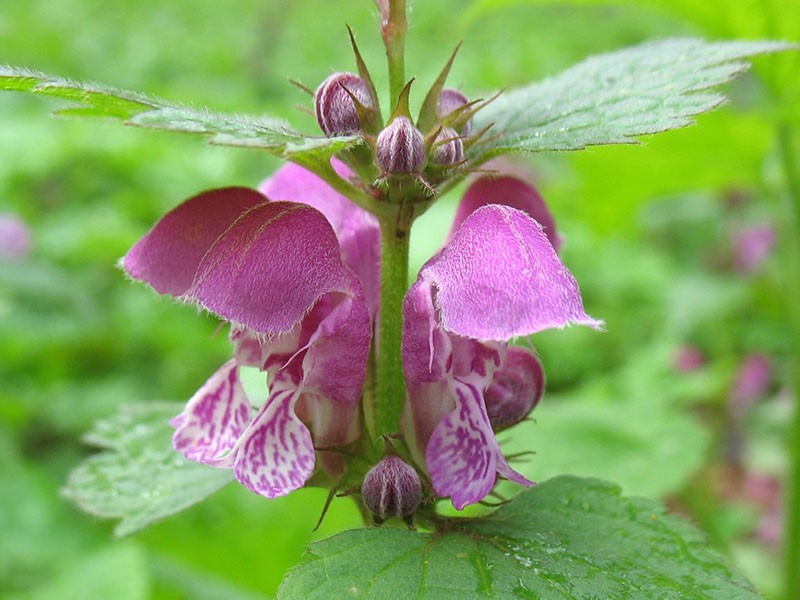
(648, 234)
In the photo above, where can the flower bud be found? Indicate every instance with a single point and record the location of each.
(449, 101)
(400, 148)
(515, 390)
(391, 489)
(448, 149)
(333, 101)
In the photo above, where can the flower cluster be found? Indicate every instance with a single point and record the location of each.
(295, 267)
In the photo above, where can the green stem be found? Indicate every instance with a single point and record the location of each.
(791, 265)
(357, 195)
(394, 38)
(390, 384)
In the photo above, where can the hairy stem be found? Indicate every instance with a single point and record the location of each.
(791, 260)
(390, 384)
(393, 29)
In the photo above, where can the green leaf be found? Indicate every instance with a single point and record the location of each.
(611, 98)
(139, 477)
(566, 538)
(614, 440)
(118, 572)
(134, 108)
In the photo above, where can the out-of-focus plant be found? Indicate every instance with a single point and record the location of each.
(391, 395)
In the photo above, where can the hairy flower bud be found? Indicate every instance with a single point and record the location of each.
(400, 148)
(391, 489)
(449, 101)
(333, 101)
(448, 149)
(515, 390)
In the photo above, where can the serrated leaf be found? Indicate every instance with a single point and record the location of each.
(138, 477)
(273, 135)
(566, 538)
(612, 98)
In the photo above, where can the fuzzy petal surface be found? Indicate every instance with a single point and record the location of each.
(357, 230)
(499, 277)
(509, 191)
(335, 363)
(214, 418)
(270, 267)
(168, 256)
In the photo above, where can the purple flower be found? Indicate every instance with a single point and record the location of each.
(753, 380)
(15, 238)
(497, 278)
(689, 358)
(752, 246)
(275, 270)
(295, 269)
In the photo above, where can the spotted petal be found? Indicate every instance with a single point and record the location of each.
(275, 455)
(209, 427)
(463, 456)
(499, 277)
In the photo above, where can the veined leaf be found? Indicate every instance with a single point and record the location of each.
(566, 538)
(273, 135)
(612, 98)
(139, 477)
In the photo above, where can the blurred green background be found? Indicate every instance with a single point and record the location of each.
(659, 403)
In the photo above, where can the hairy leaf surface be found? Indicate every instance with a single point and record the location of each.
(612, 98)
(566, 538)
(134, 108)
(138, 477)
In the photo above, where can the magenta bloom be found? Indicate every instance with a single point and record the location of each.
(275, 270)
(752, 247)
(295, 269)
(496, 279)
(753, 380)
(15, 238)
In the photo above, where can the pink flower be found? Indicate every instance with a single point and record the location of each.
(753, 380)
(15, 238)
(295, 268)
(275, 270)
(689, 358)
(496, 279)
(752, 247)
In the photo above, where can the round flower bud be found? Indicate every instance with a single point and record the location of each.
(448, 149)
(391, 489)
(515, 390)
(336, 112)
(450, 100)
(400, 148)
